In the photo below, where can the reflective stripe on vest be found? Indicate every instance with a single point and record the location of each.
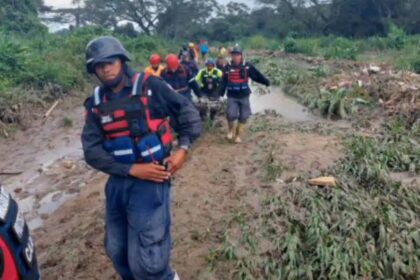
(210, 78)
(236, 81)
(117, 118)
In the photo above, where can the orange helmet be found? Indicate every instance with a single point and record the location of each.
(172, 62)
(154, 59)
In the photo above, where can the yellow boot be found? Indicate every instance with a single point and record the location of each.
(232, 130)
(240, 130)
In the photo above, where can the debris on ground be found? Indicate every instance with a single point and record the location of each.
(323, 182)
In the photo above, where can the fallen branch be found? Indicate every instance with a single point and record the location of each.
(11, 173)
(46, 115)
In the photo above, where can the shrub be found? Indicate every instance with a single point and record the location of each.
(342, 48)
(397, 37)
(290, 45)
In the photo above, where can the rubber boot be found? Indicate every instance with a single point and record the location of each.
(239, 133)
(232, 130)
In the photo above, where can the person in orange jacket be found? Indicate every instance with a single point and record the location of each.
(155, 68)
(193, 50)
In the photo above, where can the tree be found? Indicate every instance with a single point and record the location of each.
(356, 18)
(21, 16)
(181, 18)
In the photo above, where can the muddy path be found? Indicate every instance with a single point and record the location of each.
(63, 200)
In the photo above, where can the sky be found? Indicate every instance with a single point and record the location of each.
(67, 4)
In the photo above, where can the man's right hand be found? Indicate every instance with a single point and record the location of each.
(150, 172)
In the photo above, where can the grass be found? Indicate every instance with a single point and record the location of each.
(371, 160)
(397, 48)
(272, 169)
(366, 228)
(49, 66)
(67, 122)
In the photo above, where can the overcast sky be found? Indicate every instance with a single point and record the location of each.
(67, 3)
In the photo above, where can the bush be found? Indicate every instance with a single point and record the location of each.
(257, 42)
(342, 48)
(290, 45)
(50, 65)
(415, 65)
(397, 37)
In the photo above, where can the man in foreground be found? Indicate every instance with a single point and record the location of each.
(127, 134)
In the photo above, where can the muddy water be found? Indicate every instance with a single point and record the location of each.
(276, 100)
(52, 162)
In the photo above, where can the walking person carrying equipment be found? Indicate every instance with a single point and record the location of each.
(209, 80)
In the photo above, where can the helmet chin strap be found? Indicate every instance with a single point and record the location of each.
(117, 80)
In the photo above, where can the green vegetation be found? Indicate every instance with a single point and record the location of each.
(371, 160)
(365, 228)
(340, 103)
(34, 70)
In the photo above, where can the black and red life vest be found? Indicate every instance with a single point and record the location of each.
(8, 269)
(238, 77)
(131, 118)
(179, 79)
(17, 252)
(210, 80)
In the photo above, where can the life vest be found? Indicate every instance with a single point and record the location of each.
(17, 252)
(178, 79)
(131, 134)
(210, 80)
(238, 77)
(154, 72)
(8, 269)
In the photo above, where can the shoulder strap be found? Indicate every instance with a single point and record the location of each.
(138, 80)
(97, 96)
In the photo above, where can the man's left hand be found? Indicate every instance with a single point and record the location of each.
(176, 161)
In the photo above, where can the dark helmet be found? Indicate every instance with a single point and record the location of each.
(211, 62)
(185, 54)
(236, 50)
(102, 49)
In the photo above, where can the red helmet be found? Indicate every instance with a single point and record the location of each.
(172, 62)
(154, 59)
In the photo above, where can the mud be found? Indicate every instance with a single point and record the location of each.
(63, 200)
(49, 155)
(218, 178)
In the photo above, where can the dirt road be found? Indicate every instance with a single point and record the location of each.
(63, 198)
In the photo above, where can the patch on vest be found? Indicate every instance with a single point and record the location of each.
(106, 119)
(29, 251)
(19, 225)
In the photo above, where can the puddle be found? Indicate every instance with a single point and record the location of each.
(284, 105)
(53, 201)
(35, 223)
(34, 211)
